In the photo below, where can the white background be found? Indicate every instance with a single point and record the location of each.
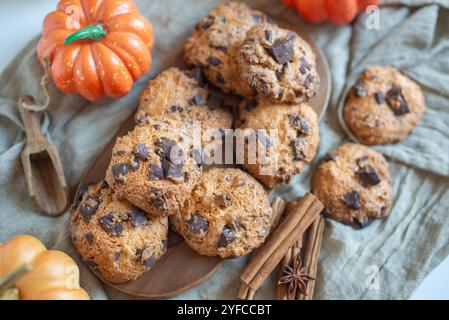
(20, 21)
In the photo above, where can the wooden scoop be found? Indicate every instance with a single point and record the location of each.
(43, 170)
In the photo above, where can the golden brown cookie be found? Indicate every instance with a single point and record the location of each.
(384, 106)
(215, 41)
(289, 142)
(227, 214)
(117, 240)
(176, 94)
(278, 64)
(153, 166)
(354, 183)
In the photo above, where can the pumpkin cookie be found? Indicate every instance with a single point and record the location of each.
(154, 166)
(215, 41)
(227, 214)
(384, 106)
(354, 183)
(176, 94)
(288, 143)
(278, 64)
(117, 240)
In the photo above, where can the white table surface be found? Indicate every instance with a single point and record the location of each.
(26, 16)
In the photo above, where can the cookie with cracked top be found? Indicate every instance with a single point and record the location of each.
(384, 106)
(154, 167)
(179, 95)
(354, 183)
(227, 215)
(117, 240)
(288, 143)
(278, 64)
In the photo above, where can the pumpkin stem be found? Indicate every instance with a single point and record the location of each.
(9, 280)
(90, 32)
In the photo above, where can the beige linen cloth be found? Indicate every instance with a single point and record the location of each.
(387, 260)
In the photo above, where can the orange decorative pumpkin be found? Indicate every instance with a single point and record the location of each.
(336, 11)
(96, 48)
(53, 275)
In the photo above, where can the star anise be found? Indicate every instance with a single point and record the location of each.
(296, 277)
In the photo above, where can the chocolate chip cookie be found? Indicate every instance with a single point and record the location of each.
(278, 64)
(117, 240)
(227, 214)
(383, 106)
(282, 139)
(354, 183)
(176, 94)
(154, 166)
(215, 41)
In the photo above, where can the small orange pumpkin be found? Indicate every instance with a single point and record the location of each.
(96, 48)
(336, 11)
(53, 275)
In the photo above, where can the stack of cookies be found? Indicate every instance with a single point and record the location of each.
(242, 51)
(156, 175)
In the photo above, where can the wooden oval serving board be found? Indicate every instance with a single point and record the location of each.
(181, 268)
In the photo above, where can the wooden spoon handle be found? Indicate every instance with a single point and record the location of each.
(31, 121)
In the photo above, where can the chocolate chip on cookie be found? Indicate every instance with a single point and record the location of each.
(282, 51)
(298, 147)
(227, 237)
(156, 172)
(89, 206)
(141, 151)
(89, 238)
(198, 224)
(396, 101)
(213, 61)
(368, 176)
(119, 172)
(379, 96)
(300, 124)
(111, 224)
(359, 88)
(352, 199)
(158, 198)
(138, 217)
(330, 156)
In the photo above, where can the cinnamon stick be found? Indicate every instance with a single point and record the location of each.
(281, 289)
(311, 254)
(309, 257)
(285, 228)
(285, 235)
(282, 292)
(270, 256)
(278, 207)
